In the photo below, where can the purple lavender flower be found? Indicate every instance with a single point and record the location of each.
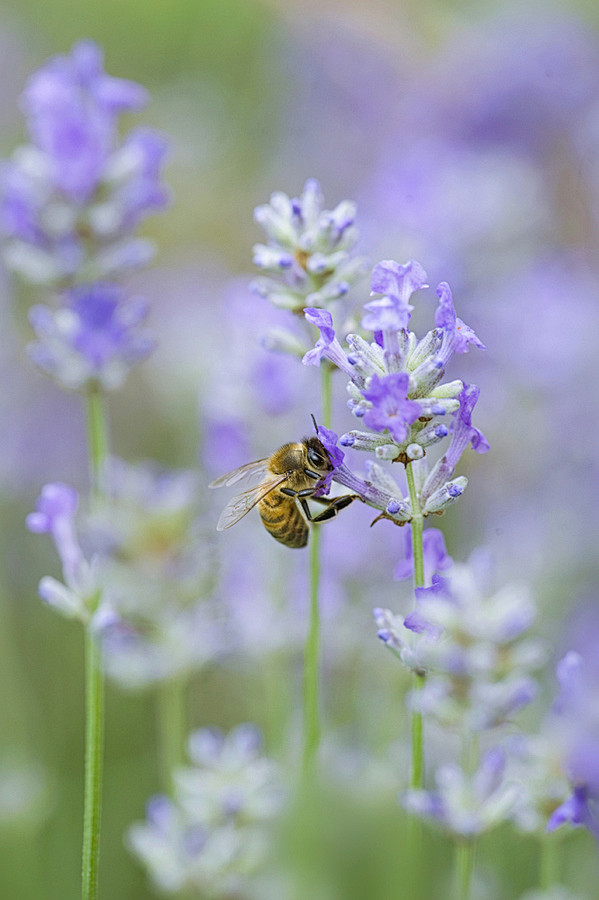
(70, 199)
(398, 281)
(93, 340)
(55, 514)
(463, 433)
(456, 334)
(327, 345)
(391, 410)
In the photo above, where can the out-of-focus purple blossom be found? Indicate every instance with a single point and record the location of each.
(213, 836)
(309, 255)
(579, 809)
(478, 655)
(392, 631)
(436, 558)
(93, 340)
(467, 806)
(54, 514)
(577, 710)
(158, 569)
(535, 762)
(70, 199)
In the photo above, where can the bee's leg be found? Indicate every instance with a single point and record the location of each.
(333, 506)
(306, 492)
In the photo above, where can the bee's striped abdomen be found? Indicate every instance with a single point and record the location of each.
(282, 518)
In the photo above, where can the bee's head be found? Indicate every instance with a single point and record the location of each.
(317, 457)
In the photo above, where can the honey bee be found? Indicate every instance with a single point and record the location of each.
(288, 479)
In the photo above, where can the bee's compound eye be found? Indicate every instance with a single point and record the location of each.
(314, 457)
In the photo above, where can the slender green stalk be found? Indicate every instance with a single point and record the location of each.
(549, 861)
(311, 660)
(465, 851)
(312, 648)
(417, 525)
(97, 437)
(172, 726)
(94, 746)
(417, 777)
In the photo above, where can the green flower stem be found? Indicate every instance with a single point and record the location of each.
(97, 435)
(172, 726)
(549, 861)
(311, 660)
(417, 776)
(465, 851)
(94, 746)
(312, 648)
(417, 525)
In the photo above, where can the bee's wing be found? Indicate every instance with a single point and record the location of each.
(240, 505)
(256, 469)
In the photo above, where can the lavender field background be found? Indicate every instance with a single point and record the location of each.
(468, 136)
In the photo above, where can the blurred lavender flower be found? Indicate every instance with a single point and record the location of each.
(472, 643)
(78, 597)
(480, 655)
(70, 199)
(556, 892)
(93, 340)
(213, 836)
(535, 762)
(577, 708)
(309, 251)
(158, 568)
(467, 806)
(25, 793)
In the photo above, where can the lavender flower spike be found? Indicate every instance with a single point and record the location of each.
(70, 199)
(309, 254)
(93, 340)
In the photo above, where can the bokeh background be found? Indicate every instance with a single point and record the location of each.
(468, 134)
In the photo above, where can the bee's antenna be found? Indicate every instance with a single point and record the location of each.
(315, 425)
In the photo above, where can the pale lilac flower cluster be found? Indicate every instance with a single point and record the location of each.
(71, 198)
(473, 645)
(308, 256)
(213, 836)
(479, 651)
(70, 202)
(396, 388)
(158, 571)
(464, 804)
